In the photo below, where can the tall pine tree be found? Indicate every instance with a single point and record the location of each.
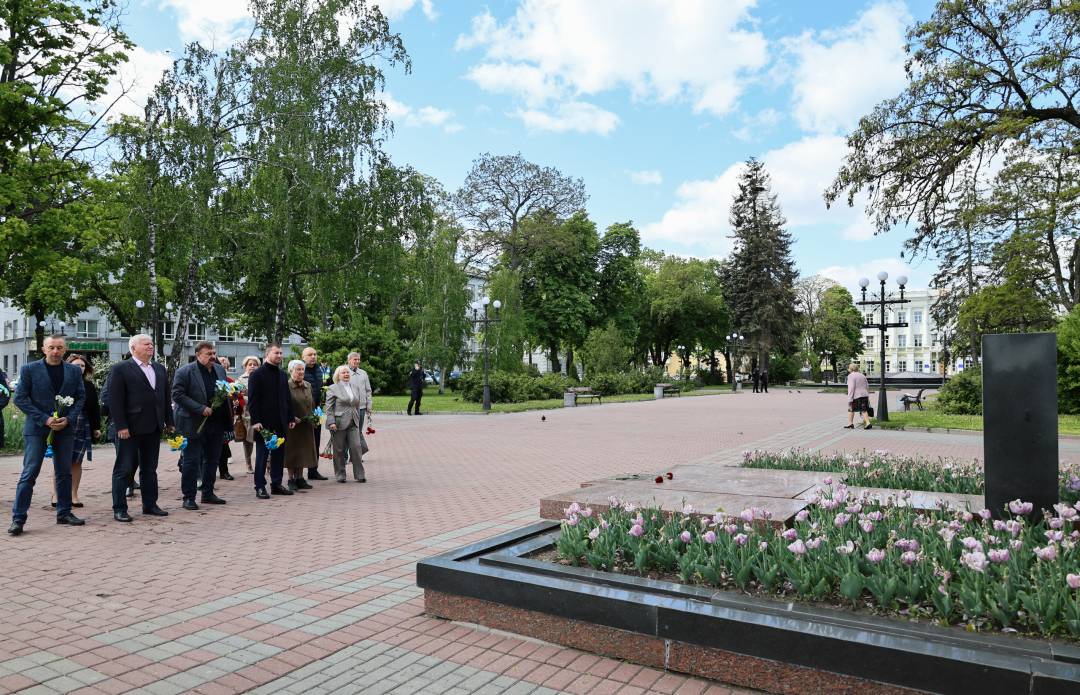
(759, 276)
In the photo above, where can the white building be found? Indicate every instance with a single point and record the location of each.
(92, 333)
(916, 348)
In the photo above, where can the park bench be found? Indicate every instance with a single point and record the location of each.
(907, 399)
(669, 390)
(576, 393)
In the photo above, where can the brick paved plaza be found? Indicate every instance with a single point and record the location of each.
(315, 593)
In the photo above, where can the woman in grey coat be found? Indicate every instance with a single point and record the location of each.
(344, 418)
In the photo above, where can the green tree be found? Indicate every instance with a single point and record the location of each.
(620, 286)
(759, 276)
(686, 308)
(606, 350)
(838, 327)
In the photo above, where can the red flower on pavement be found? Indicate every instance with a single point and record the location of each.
(370, 430)
(670, 475)
(659, 479)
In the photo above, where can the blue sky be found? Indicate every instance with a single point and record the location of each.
(653, 103)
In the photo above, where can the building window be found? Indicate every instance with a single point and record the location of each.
(196, 331)
(918, 365)
(901, 366)
(901, 341)
(869, 366)
(168, 330)
(916, 316)
(918, 339)
(886, 341)
(86, 328)
(226, 334)
(869, 318)
(5, 362)
(7, 330)
(888, 367)
(869, 342)
(901, 316)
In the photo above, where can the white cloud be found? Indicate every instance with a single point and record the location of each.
(757, 125)
(419, 116)
(134, 82)
(566, 49)
(214, 23)
(647, 177)
(396, 9)
(800, 171)
(570, 116)
(848, 275)
(839, 75)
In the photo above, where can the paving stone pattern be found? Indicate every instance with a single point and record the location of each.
(315, 593)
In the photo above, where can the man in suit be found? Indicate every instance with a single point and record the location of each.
(270, 410)
(40, 383)
(5, 398)
(314, 376)
(193, 390)
(139, 405)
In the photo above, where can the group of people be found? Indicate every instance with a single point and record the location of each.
(275, 412)
(761, 380)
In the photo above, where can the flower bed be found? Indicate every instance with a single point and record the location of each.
(885, 470)
(1022, 574)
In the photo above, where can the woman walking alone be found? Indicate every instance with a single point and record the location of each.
(858, 395)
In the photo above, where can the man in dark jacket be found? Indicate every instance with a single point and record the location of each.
(271, 411)
(313, 375)
(139, 407)
(417, 378)
(756, 375)
(204, 425)
(5, 398)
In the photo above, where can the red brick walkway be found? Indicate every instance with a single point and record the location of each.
(315, 593)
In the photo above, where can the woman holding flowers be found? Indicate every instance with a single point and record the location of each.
(300, 454)
(344, 417)
(87, 428)
(250, 364)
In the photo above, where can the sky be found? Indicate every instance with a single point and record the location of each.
(655, 104)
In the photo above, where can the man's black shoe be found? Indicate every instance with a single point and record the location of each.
(225, 476)
(211, 498)
(69, 519)
(130, 492)
(302, 484)
(292, 485)
(279, 490)
(155, 511)
(260, 493)
(137, 486)
(316, 475)
(122, 516)
(868, 427)
(16, 528)
(190, 505)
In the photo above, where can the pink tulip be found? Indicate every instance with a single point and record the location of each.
(594, 534)
(875, 555)
(637, 531)
(740, 539)
(841, 519)
(846, 549)
(813, 543)
(798, 547)
(1049, 553)
(709, 537)
(998, 556)
(746, 515)
(685, 536)
(1020, 508)
(985, 514)
(909, 558)
(971, 544)
(802, 516)
(866, 525)
(975, 561)
(1073, 580)
(790, 534)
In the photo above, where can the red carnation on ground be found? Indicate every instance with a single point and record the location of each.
(670, 475)
(659, 479)
(370, 430)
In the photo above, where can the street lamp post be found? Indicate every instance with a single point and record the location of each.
(827, 354)
(734, 343)
(884, 299)
(485, 321)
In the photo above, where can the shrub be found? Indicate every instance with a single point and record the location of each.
(1069, 362)
(961, 394)
(383, 356)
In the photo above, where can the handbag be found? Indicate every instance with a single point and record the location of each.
(240, 429)
(870, 410)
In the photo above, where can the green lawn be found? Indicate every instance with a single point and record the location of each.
(452, 403)
(1067, 424)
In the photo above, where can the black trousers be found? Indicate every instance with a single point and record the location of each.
(414, 397)
(318, 448)
(275, 458)
(201, 462)
(138, 450)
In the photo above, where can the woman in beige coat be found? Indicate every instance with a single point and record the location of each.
(250, 364)
(344, 418)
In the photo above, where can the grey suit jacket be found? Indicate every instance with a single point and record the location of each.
(190, 397)
(342, 407)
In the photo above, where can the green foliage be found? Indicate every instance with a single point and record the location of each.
(961, 394)
(382, 354)
(1068, 344)
(784, 368)
(620, 285)
(606, 350)
(516, 387)
(686, 306)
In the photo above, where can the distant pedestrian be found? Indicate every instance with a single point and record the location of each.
(765, 380)
(756, 376)
(417, 378)
(858, 394)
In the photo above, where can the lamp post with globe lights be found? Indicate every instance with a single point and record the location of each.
(735, 341)
(882, 301)
(483, 320)
(827, 354)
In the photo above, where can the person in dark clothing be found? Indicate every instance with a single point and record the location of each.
(226, 451)
(139, 396)
(757, 379)
(87, 428)
(5, 398)
(417, 378)
(764, 380)
(203, 423)
(313, 375)
(271, 410)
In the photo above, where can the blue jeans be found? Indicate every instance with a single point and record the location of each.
(33, 455)
(277, 462)
(200, 462)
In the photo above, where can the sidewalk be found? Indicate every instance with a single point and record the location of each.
(315, 593)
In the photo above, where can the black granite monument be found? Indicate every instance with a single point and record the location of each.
(1020, 420)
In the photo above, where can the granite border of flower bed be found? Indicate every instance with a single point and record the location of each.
(752, 642)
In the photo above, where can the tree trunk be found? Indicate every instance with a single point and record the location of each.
(553, 355)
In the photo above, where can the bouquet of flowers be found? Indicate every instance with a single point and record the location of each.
(177, 443)
(223, 392)
(62, 404)
(328, 451)
(315, 418)
(370, 423)
(271, 440)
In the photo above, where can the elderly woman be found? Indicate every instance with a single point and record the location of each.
(344, 418)
(250, 364)
(858, 394)
(300, 451)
